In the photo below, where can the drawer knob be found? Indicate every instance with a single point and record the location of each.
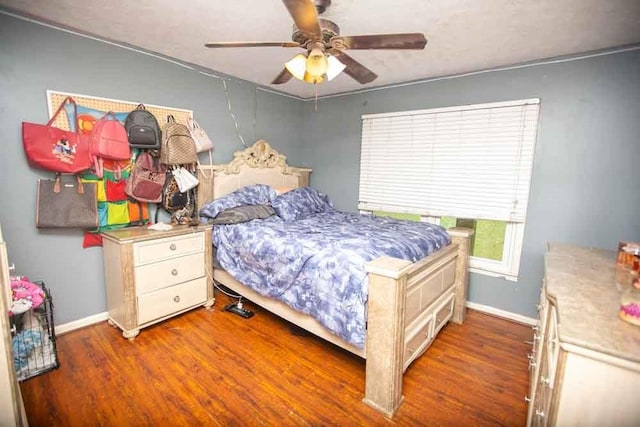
(173, 247)
(174, 272)
(540, 413)
(545, 380)
(176, 298)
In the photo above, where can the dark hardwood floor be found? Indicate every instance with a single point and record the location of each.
(210, 367)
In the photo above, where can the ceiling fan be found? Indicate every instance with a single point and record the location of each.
(325, 57)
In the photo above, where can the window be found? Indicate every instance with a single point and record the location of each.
(457, 166)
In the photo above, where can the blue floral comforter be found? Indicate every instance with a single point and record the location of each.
(316, 264)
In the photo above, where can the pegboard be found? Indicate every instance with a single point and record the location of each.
(54, 99)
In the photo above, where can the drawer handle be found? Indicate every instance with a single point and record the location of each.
(174, 272)
(176, 298)
(173, 247)
(545, 380)
(539, 413)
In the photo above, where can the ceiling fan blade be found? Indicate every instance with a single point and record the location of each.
(305, 16)
(380, 41)
(252, 44)
(353, 68)
(283, 77)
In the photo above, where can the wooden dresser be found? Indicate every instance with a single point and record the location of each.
(153, 275)
(585, 363)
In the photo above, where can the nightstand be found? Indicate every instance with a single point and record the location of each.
(153, 275)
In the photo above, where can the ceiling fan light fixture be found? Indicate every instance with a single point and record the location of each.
(314, 79)
(297, 66)
(335, 67)
(317, 63)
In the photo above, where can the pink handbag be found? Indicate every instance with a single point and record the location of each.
(108, 141)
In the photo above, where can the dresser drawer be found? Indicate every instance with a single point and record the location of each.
(170, 247)
(167, 301)
(151, 277)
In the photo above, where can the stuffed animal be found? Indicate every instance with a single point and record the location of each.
(26, 295)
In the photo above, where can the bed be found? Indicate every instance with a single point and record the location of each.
(407, 301)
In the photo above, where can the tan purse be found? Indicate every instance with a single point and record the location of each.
(66, 204)
(178, 147)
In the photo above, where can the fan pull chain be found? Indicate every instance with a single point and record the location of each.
(315, 87)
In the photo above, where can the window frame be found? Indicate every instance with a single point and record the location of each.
(509, 266)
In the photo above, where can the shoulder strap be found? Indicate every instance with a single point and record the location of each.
(67, 100)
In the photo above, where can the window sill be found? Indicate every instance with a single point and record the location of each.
(506, 276)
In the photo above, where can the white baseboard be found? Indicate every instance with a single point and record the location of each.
(101, 317)
(502, 313)
(81, 323)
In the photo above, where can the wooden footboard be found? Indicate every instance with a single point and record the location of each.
(408, 304)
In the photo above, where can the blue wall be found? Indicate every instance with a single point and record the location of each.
(35, 58)
(585, 185)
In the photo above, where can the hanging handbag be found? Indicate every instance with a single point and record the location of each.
(142, 129)
(54, 149)
(66, 204)
(109, 141)
(200, 137)
(146, 182)
(178, 148)
(185, 179)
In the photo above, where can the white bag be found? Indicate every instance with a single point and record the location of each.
(203, 143)
(185, 179)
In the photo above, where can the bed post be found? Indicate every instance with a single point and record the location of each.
(461, 237)
(385, 333)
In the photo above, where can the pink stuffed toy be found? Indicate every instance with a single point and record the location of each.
(26, 295)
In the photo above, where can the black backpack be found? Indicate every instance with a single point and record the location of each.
(142, 129)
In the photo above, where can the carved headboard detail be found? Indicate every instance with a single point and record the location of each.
(258, 164)
(259, 155)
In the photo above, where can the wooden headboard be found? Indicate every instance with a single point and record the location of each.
(258, 164)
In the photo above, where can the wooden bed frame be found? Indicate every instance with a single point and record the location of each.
(408, 302)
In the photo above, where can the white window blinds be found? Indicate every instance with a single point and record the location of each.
(472, 161)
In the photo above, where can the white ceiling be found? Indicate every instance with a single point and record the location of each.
(463, 35)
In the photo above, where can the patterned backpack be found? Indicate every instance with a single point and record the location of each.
(178, 147)
(181, 205)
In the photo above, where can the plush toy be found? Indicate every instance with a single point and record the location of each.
(26, 295)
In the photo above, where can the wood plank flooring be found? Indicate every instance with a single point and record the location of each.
(210, 367)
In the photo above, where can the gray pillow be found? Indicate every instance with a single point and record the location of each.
(243, 213)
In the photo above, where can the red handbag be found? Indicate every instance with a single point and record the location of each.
(55, 149)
